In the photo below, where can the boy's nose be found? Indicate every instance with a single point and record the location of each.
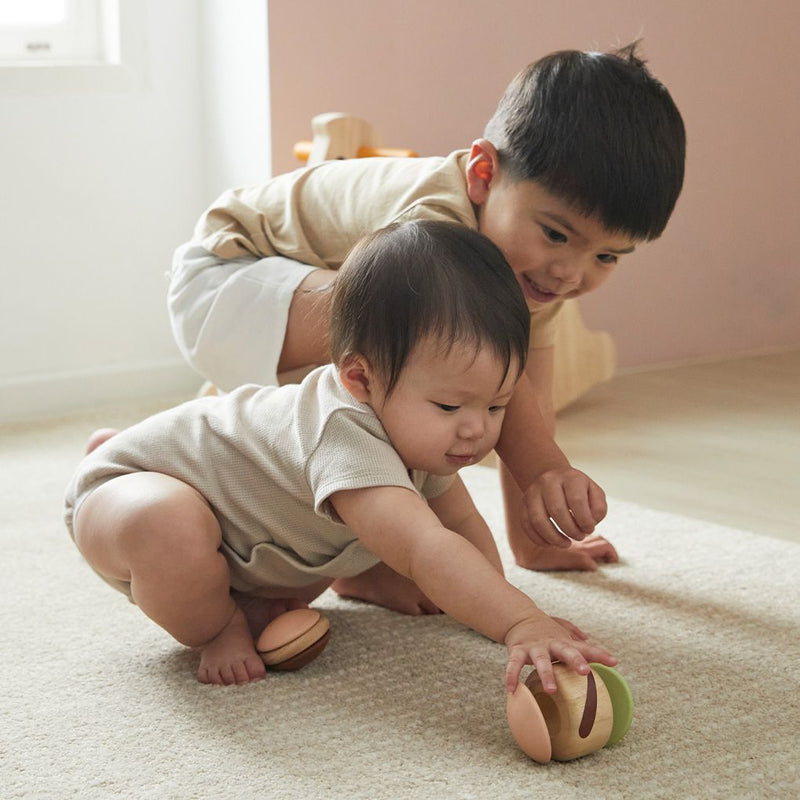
(565, 270)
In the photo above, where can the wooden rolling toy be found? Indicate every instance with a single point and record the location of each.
(293, 639)
(587, 713)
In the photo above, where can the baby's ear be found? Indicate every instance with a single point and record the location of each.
(355, 374)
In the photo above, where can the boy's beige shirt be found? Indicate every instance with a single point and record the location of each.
(316, 214)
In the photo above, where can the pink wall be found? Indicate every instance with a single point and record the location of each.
(725, 277)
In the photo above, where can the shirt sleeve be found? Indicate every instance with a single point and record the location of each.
(350, 455)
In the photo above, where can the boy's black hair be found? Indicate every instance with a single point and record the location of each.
(413, 280)
(598, 131)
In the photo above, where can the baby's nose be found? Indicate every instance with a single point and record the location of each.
(471, 427)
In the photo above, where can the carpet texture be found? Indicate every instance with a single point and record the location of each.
(97, 702)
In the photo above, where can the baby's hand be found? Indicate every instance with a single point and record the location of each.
(562, 504)
(540, 640)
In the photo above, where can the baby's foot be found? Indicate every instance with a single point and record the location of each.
(385, 587)
(231, 657)
(260, 611)
(98, 437)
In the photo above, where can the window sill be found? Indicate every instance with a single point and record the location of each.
(60, 78)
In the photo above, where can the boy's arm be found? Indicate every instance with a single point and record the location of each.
(400, 528)
(553, 490)
(307, 337)
(457, 512)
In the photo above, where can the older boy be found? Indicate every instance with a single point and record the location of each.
(582, 161)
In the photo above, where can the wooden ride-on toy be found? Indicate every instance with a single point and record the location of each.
(344, 136)
(587, 712)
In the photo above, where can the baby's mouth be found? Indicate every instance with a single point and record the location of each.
(461, 460)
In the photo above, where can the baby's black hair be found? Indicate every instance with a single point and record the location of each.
(598, 131)
(415, 280)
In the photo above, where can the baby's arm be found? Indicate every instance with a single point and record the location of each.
(457, 512)
(400, 528)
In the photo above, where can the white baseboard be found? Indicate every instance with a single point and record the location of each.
(50, 395)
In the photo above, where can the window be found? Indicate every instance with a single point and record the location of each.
(37, 32)
(69, 46)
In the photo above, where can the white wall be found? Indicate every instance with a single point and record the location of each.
(98, 187)
(235, 94)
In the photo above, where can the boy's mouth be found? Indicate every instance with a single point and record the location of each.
(535, 292)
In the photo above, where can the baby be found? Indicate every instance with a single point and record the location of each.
(218, 515)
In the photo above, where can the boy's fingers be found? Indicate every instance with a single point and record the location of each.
(557, 509)
(579, 507)
(597, 502)
(538, 527)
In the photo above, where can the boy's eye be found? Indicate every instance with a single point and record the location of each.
(553, 235)
(496, 409)
(607, 258)
(446, 407)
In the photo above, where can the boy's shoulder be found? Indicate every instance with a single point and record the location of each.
(316, 214)
(368, 175)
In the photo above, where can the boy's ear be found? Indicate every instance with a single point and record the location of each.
(356, 375)
(482, 168)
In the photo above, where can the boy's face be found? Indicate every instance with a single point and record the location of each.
(446, 409)
(555, 252)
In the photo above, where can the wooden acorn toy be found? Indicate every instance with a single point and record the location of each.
(587, 712)
(293, 639)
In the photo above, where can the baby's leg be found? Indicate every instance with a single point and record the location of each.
(385, 587)
(160, 534)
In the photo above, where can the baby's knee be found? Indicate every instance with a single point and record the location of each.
(145, 517)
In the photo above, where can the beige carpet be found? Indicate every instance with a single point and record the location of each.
(96, 702)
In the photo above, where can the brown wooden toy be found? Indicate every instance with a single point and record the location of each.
(587, 712)
(293, 639)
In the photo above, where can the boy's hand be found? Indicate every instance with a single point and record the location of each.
(540, 640)
(561, 505)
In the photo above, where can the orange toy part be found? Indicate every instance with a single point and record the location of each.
(302, 150)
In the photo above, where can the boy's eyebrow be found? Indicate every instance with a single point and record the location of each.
(565, 223)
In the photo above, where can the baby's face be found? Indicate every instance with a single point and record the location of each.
(555, 252)
(446, 410)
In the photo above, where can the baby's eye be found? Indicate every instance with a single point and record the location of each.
(607, 258)
(446, 407)
(553, 235)
(496, 409)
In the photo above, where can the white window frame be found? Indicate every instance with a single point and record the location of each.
(115, 64)
(79, 38)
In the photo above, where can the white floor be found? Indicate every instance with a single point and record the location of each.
(718, 441)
